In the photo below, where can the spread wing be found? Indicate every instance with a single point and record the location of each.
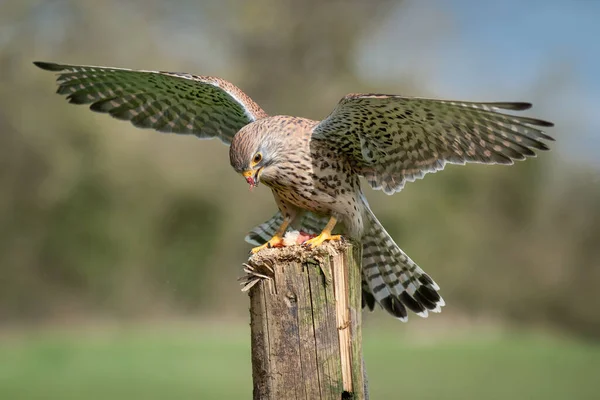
(394, 139)
(165, 101)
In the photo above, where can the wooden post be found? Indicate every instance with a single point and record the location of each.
(305, 318)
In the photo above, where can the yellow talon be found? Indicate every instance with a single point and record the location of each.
(324, 235)
(273, 242)
(277, 239)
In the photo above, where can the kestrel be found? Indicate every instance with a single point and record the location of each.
(312, 167)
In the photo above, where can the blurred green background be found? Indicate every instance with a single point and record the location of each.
(120, 248)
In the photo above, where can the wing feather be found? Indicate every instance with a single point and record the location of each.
(204, 106)
(391, 140)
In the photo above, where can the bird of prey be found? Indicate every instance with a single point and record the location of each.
(312, 167)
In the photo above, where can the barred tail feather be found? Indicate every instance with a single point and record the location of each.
(392, 278)
(262, 233)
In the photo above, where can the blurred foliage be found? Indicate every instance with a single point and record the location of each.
(98, 218)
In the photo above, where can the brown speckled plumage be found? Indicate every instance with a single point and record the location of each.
(312, 167)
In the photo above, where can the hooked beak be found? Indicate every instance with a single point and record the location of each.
(252, 177)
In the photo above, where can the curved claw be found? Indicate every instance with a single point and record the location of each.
(317, 241)
(275, 241)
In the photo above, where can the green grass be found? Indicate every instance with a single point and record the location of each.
(189, 363)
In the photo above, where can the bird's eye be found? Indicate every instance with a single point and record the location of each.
(257, 158)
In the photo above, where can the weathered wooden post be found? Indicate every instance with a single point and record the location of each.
(305, 309)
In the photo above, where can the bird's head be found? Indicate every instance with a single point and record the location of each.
(256, 151)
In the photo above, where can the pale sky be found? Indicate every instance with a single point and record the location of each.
(547, 52)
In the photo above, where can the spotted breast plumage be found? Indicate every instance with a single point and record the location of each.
(314, 167)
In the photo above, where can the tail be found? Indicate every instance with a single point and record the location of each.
(391, 278)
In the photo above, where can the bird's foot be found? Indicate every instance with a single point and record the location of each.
(324, 236)
(275, 241)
